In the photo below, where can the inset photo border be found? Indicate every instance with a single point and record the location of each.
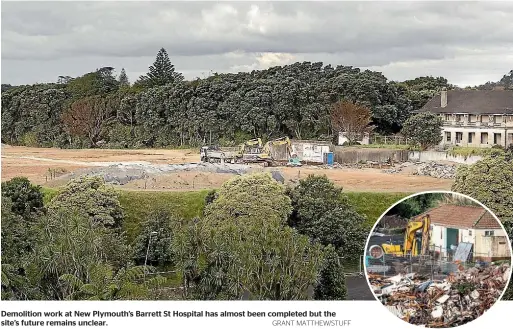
(454, 277)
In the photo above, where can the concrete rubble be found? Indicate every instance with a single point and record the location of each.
(460, 298)
(436, 170)
(120, 174)
(432, 168)
(359, 165)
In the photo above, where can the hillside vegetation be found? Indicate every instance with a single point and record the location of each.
(162, 109)
(88, 240)
(190, 204)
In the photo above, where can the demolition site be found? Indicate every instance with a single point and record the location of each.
(448, 267)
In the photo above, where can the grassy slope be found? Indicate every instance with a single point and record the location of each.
(138, 204)
(373, 204)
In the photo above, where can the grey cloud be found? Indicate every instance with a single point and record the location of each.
(198, 35)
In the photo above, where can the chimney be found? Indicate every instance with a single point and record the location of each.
(443, 98)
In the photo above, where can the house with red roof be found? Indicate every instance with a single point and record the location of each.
(452, 224)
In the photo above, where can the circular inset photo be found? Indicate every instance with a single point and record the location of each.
(438, 259)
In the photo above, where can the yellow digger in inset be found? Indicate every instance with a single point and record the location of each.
(410, 244)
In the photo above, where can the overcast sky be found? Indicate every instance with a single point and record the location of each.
(468, 43)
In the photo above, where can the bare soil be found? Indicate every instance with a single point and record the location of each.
(38, 163)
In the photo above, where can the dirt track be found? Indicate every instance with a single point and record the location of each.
(36, 164)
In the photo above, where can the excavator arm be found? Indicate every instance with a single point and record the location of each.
(410, 241)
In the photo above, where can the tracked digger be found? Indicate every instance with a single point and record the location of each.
(253, 151)
(411, 242)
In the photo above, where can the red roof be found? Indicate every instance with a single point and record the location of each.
(468, 217)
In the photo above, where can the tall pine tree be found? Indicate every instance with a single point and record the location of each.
(123, 79)
(161, 72)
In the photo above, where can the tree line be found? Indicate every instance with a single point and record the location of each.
(162, 109)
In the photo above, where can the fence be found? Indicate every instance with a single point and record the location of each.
(437, 264)
(388, 140)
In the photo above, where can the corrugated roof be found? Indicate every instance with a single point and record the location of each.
(474, 102)
(469, 217)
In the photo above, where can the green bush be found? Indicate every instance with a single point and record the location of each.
(91, 197)
(29, 139)
(155, 240)
(332, 282)
(322, 213)
(26, 198)
(120, 136)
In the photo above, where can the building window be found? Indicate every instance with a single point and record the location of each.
(488, 233)
(484, 138)
(459, 137)
(470, 137)
(497, 138)
(448, 136)
(469, 232)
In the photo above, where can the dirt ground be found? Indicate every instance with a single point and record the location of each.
(44, 166)
(37, 163)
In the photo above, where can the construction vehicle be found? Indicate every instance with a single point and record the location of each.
(214, 154)
(253, 151)
(411, 244)
(277, 142)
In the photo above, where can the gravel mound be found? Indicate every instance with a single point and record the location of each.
(436, 170)
(121, 174)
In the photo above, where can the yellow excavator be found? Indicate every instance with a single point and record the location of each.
(410, 240)
(253, 151)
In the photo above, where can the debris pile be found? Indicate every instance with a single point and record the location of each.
(436, 170)
(392, 170)
(398, 168)
(460, 298)
(358, 165)
(121, 174)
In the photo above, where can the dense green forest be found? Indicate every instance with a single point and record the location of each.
(161, 109)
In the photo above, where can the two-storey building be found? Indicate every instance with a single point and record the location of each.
(475, 118)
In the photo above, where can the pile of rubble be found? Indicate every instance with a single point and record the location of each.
(392, 170)
(459, 298)
(359, 165)
(436, 170)
(122, 173)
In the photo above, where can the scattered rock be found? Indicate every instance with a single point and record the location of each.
(123, 173)
(436, 170)
(392, 171)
